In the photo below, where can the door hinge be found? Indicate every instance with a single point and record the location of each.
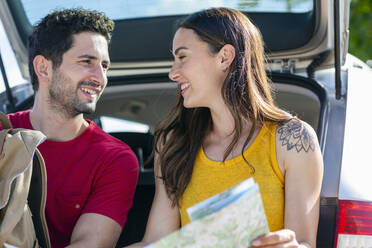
(287, 66)
(284, 65)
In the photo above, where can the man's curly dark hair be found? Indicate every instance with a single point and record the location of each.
(53, 36)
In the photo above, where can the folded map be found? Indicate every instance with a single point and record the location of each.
(233, 218)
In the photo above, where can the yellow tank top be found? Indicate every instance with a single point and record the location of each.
(211, 177)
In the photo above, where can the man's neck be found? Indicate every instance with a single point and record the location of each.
(55, 125)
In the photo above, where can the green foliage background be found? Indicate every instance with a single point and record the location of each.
(360, 26)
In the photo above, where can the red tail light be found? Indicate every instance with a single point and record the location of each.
(354, 224)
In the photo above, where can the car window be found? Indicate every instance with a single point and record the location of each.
(127, 9)
(13, 73)
(111, 124)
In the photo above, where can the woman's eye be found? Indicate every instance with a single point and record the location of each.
(182, 57)
(87, 61)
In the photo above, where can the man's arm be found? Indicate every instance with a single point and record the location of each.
(95, 230)
(110, 199)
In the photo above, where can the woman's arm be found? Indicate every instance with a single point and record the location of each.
(301, 163)
(163, 218)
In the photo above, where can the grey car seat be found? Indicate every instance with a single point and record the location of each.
(142, 145)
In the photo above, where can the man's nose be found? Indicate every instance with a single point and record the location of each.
(100, 75)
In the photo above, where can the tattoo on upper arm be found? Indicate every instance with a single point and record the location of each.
(294, 134)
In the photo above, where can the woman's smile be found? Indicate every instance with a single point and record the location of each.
(184, 87)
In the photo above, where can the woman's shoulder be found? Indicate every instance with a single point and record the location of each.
(296, 144)
(297, 136)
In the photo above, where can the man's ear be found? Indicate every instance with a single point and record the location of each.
(226, 56)
(43, 68)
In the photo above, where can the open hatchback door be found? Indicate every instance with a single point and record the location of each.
(306, 43)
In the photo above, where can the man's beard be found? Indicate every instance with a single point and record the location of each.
(63, 97)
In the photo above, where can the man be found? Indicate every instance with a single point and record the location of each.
(91, 176)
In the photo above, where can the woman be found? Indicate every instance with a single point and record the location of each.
(226, 128)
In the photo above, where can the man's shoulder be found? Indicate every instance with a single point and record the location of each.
(19, 119)
(109, 145)
(104, 138)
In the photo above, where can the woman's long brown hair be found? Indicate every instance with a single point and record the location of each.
(245, 91)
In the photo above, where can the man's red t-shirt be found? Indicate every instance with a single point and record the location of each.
(93, 173)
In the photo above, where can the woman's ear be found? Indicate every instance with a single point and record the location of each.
(226, 56)
(42, 68)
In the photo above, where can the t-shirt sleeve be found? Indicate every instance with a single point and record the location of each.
(114, 186)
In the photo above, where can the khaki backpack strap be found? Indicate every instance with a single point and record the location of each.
(6, 125)
(37, 199)
(3, 135)
(4, 121)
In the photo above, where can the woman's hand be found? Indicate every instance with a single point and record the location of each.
(283, 238)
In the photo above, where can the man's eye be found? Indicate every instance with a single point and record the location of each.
(105, 66)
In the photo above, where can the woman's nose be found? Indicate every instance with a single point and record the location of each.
(173, 74)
